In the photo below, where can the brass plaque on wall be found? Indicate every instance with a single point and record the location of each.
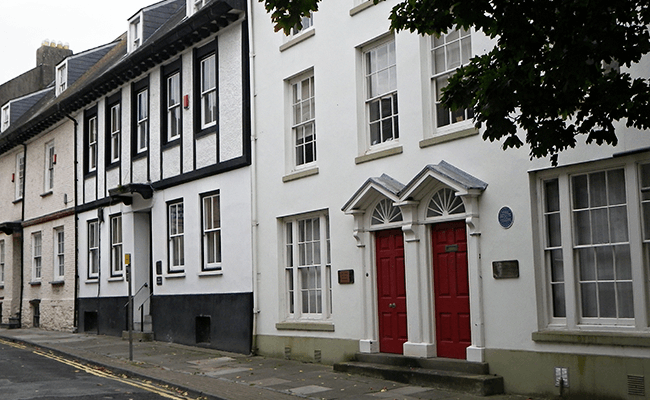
(505, 269)
(346, 276)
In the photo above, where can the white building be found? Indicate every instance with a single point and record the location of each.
(165, 150)
(457, 249)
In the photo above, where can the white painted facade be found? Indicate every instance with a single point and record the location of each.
(343, 182)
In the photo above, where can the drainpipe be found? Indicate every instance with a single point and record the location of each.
(254, 215)
(75, 310)
(22, 246)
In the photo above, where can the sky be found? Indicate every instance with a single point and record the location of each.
(83, 24)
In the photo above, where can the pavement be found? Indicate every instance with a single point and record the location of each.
(219, 375)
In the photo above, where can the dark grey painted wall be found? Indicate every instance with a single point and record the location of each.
(230, 316)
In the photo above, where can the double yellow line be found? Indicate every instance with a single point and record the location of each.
(102, 373)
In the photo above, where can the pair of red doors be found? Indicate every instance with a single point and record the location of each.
(451, 290)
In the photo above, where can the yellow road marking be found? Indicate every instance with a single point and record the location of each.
(12, 344)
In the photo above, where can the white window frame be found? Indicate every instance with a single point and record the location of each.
(117, 268)
(142, 123)
(93, 249)
(208, 90)
(384, 96)
(306, 21)
(115, 132)
(59, 253)
(50, 159)
(174, 106)
(443, 66)
(37, 256)
(135, 33)
(2, 262)
(92, 144)
(62, 78)
(6, 117)
(314, 265)
(303, 120)
(176, 235)
(20, 175)
(564, 252)
(212, 250)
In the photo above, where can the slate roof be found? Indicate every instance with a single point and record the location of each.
(116, 67)
(79, 63)
(156, 15)
(21, 105)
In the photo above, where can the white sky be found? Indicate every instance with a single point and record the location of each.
(83, 24)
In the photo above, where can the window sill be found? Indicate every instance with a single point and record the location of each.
(35, 283)
(58, 282)
(300, 174)
(378, 154)
(175, 275)
(305, 326)
(301, 37)
(210, 272)
(90, 174)
(360, 7)
(2, 286)
(17, 201)
(636, 339)
(448, 137)
(113, 165)
(212, 129)
(116, 278)
(47, 194)
(91, 281)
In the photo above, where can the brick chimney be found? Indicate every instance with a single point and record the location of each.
(48, 56)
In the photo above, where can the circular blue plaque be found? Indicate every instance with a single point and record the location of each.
(506, 217)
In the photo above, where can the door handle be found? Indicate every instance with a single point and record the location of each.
(392, 305)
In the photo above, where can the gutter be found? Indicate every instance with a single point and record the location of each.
(254, 211)
(22, 240)
(75, 309)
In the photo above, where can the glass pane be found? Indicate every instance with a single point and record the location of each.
(453, 55)
(597, 192)
(216, 213)
(386, 109)
(559, 305)
(554, 235)
(605, 263)
(580, 194)
(466, 46)
(646, 221)
(616, 186)
(625, 300)
(599, 226)
(374, 110)
(607, 300)
(582, 227)
(587, 264)
(439, 61)
(618, 224)
(589, 300)
(623, 262)
(557, 266)
(552, 192)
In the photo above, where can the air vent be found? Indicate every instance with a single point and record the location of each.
(636, 385)
(317, 356)
(287, 353)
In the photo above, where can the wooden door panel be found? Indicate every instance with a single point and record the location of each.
(391, 290)
(451, 289)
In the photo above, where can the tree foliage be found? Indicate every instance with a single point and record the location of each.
(553, 71)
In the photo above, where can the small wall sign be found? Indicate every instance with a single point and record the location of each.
(506, 217)
(505, 269)
(346, 276)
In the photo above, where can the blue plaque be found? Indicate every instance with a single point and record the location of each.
(506, 217)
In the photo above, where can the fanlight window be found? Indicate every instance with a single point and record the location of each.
(385, 213)
(444, 202)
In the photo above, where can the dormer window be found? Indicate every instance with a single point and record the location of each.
(195, 5)
(5, 118)
(61, 78)
(135, 33)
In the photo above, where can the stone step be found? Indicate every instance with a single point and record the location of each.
(445, 374)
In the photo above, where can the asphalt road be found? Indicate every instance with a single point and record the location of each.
(27, 373)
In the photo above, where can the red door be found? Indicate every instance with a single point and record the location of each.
(451, 289)
(391, 290)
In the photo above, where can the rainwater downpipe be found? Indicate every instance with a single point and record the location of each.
(75, 310)
(22, 239)
(254, 215)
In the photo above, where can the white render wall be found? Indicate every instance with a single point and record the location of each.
(334, 54)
